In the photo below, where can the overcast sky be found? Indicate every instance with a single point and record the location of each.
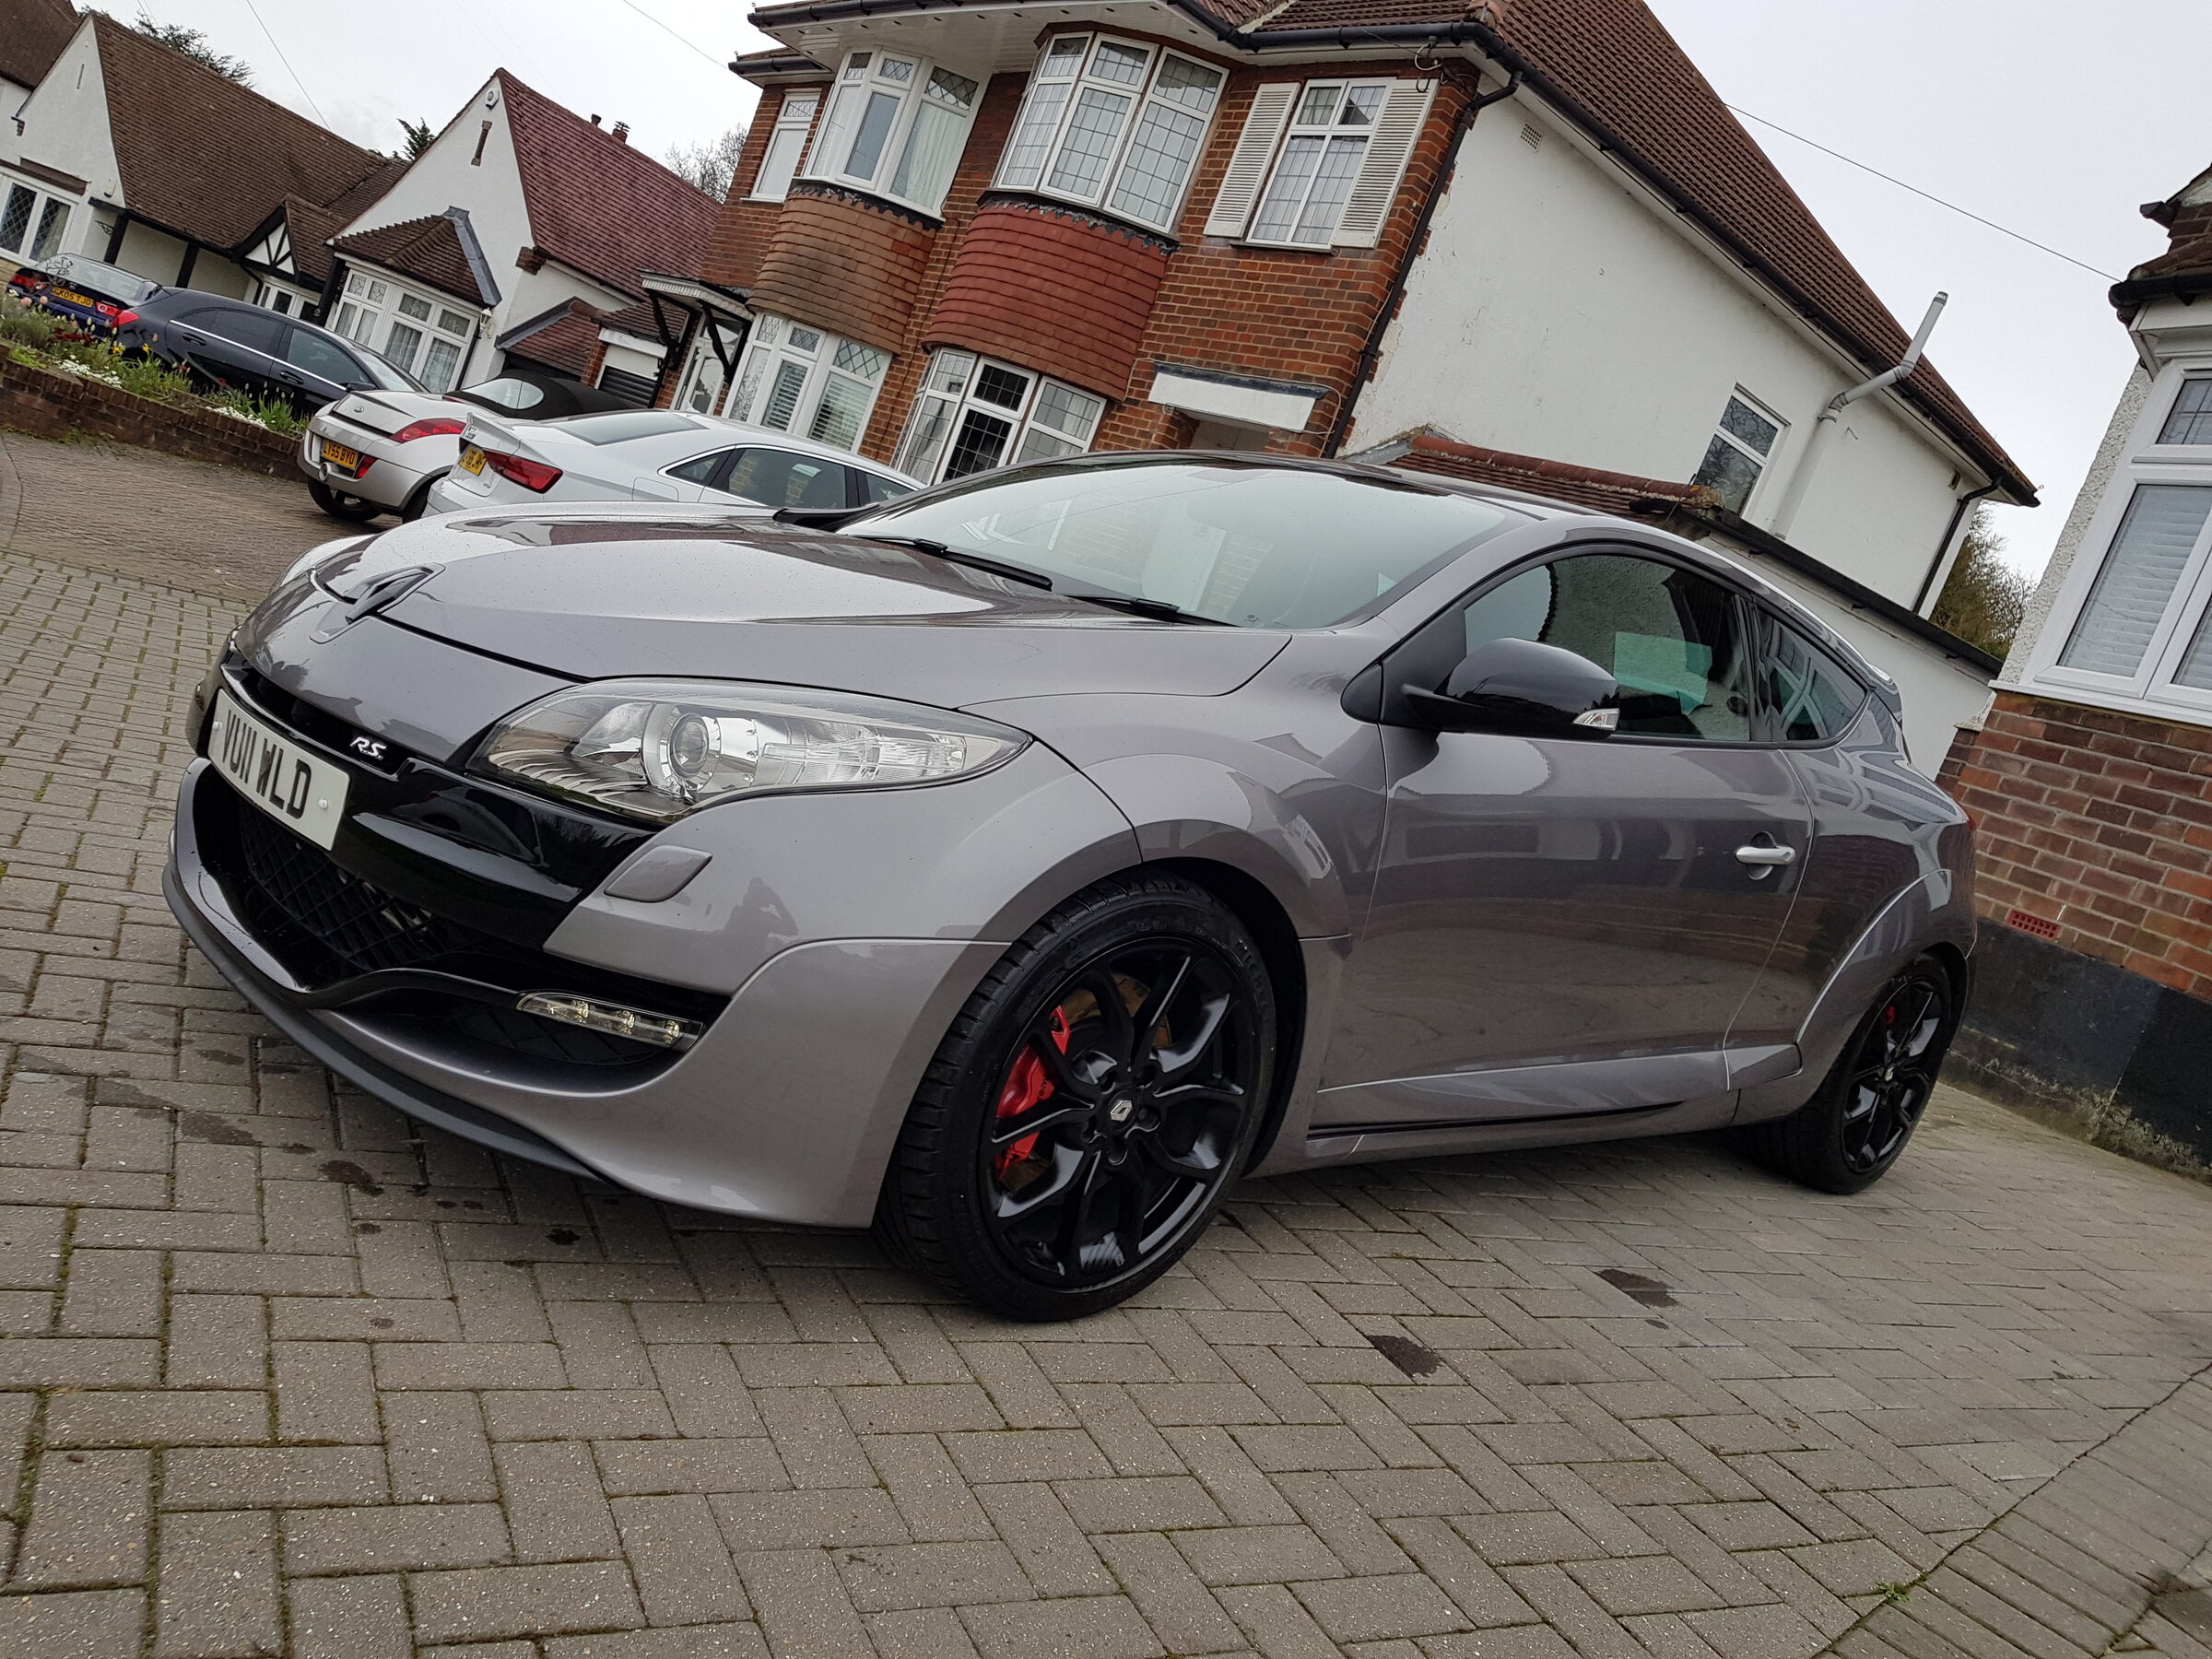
(2052, 118)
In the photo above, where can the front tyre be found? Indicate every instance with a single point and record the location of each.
(1091, 1105)
(1847, 1135)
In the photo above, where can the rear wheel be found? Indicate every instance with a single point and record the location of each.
(420, 502)
(1847, 1135)
(1089, 1107)
(351, 508)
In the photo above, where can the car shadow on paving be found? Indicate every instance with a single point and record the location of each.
(282, 1372)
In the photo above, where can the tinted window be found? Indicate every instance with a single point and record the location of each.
(620, 428)
(111, 281)
(1256, 545)
(390, 375)
(257, 329)
(700, 471)
(875, 488)
(1670, 637)
(1814, 700)
(779, 478)
(320, 358)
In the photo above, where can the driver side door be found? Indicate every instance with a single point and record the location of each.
(1565, 925)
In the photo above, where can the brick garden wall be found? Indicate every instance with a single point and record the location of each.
(47, 405)
(2095, 832)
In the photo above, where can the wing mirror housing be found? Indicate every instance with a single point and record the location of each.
(1520, 688)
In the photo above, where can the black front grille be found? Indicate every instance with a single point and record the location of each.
(323, 922)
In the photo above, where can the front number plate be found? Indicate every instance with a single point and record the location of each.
(275, 773)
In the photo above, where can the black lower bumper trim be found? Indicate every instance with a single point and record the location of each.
(470, 1122)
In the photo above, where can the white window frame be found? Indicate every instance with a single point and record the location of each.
(1042, 426)
(1047, 116)
(786, 144)
(699, 367)
(298, 301)
(44, 201)
(1279, 117)
(914, 86)
(820, 367)
(371, 305)
(2152, 688)
(1762, 465)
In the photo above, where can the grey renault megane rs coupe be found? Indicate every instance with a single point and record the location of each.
(1013, 867)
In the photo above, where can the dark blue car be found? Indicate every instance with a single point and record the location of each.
(96, 296)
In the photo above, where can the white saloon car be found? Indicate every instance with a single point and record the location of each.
(655, 455)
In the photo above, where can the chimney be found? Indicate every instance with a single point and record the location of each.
(595, 121)
(621, 131)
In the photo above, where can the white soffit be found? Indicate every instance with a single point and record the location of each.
(1224, 400)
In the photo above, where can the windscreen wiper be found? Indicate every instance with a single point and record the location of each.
(1159, 610)
(960, 556)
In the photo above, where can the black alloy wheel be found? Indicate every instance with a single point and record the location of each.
(353, 509)
(1089, 1107)
(1847, 1135)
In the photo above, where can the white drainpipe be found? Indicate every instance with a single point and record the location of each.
(1786, 514)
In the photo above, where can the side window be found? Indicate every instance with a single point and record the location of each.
(779, 478)
(1811, 696)
(256, 329)
(873, 488)
(1673, 638)
(703, 470)
(318, 356)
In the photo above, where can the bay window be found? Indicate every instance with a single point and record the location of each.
(972, 414)
(796, 379)
(895, 128)
(1318, 165)
(1111, 123)
(2133, 624)
(424, 337)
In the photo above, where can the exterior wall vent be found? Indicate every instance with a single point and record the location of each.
(1532, 136)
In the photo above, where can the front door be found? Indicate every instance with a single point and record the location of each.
(1566, 925)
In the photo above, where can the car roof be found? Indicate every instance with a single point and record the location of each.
(706, 433)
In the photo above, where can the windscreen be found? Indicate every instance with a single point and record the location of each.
(1253, 545)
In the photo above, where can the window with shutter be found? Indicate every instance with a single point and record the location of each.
(1345, 147)
(1248, 164)
(2155, 544)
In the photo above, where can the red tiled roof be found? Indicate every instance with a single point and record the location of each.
(563, 339)
(1555, 480)
(208, 158)
(311, 225)
(428, 249)
(32, 33)
(598, 205)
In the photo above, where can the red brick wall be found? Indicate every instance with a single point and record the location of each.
(62, 406)
(743, 231)
(2099, 826)
(843, 264)
(1007, 291)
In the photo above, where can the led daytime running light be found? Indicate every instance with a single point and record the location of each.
(662, 1030)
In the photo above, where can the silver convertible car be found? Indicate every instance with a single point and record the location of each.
(1015, 866)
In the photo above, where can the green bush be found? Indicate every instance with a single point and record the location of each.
(21, 324)
(272, 412)
(144, 377)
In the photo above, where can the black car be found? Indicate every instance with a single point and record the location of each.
(231, 343)
(92, 295)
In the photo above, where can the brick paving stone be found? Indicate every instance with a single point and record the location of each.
(486, 1409)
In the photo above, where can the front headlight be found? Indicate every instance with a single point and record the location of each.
(657, 749)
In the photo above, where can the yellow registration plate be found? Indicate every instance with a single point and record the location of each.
(73, 297)
(337, 454)
(472, 459)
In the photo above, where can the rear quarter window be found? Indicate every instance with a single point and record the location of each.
(1810, 697)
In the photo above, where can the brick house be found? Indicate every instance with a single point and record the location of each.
(965, 235)
(522, 233)
(2091, 773)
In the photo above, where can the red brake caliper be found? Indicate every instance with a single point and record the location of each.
(1026, 1085)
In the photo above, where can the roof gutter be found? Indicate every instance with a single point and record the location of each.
(1943, 547)
(1370, 352)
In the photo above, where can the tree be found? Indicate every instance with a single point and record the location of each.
(193, 43)
(1985, 599)
(420, 136)
(710, 166)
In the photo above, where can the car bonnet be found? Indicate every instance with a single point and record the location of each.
(727, 596)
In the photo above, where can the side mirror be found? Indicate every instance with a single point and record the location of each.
(1521, 689)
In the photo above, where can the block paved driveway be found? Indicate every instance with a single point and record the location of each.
(282, 1373)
